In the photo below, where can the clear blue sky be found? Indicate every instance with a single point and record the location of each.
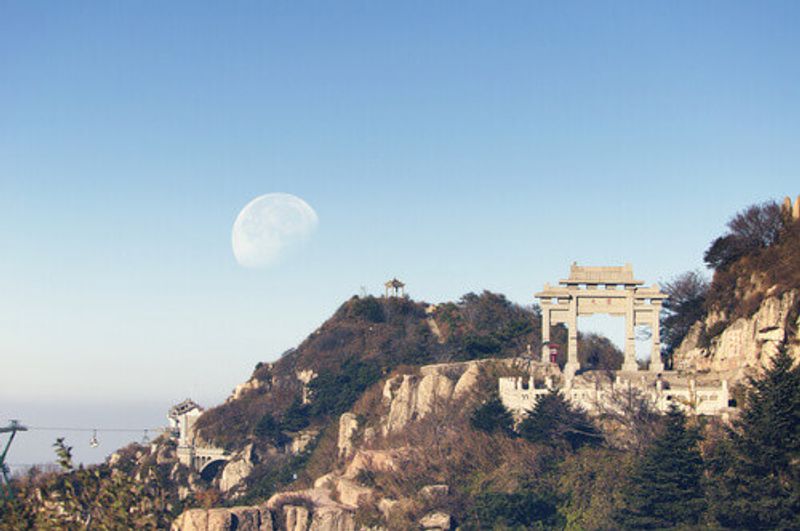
(456, 145)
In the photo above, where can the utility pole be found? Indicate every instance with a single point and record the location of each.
(13, 427)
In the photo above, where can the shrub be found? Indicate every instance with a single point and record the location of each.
(555, 422)
(494, 509)
(368, 308)
(333, 394)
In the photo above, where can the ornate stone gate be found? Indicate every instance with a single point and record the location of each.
(609, 290)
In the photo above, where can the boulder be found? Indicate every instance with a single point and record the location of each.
(234, 474)
(386, 506)
(436, 521)
(374, 461)
(351, 493)
(237, 470)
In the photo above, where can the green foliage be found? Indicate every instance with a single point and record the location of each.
(96, 497)
(517, 510)
(334, 393)
(757, 476)
(367, 308)
(270, 429)
(596, 352)
(589, 487)
(271, 477)
(556, 423)
(665, 488)
(477, 347)
(296, 417)
(64, 454)
(492, 416)
(488, 325)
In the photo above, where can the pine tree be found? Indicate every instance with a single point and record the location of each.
(555, 422)
(758, 484)
(666, 489)
(492, 416)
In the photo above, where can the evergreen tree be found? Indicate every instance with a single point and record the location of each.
(492, 416)
(757, 486)
(555, 422)
(665, 488)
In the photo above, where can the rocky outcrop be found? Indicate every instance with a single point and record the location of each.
(237, 470)
(744, 345)
(409, 397)
(348, 427)
(249, 386)
(225, 519)
(301, 440)
(310, 510)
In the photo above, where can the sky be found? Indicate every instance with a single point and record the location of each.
(459, 146)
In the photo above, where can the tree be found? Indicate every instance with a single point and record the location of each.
(64, 454)
(555, 422)
(270, 429)
(665, 488)
(296, 417)
(754, 228)
(597, 352)
(758, 480)
(684, 307)
(492, 416)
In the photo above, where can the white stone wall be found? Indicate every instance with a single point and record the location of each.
(520, 395)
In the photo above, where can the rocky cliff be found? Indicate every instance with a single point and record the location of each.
(371, 440)
(742, 346)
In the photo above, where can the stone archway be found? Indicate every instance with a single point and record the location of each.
(610, 290)
(210, 469)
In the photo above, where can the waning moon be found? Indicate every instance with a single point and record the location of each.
(269, 225)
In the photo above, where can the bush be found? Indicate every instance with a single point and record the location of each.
(333, 394)
(296, 417)
(368, 308)
(556, 423)
(518, 509)
(270, 429)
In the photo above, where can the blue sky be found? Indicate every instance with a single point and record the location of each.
(460, 146)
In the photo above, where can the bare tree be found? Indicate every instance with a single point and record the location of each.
(684, 307)
(754, 228)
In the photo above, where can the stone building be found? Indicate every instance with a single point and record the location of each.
(191, 450)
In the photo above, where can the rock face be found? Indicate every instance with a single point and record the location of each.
(409, 397)
(348, 426)
(746, 343)
(237, 470)
(331, 504)
(227, 519)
